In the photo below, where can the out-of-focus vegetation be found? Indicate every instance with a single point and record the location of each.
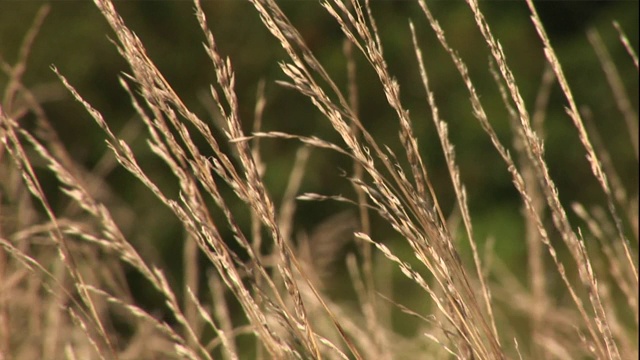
(76, 40)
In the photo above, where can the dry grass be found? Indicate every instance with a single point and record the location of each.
(63, 289)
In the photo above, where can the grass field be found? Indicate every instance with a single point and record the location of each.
(304, 222)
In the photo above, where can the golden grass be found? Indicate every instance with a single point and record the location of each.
(62, 280)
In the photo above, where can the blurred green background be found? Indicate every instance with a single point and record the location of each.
(76, 39)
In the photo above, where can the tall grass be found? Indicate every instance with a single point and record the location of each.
(64, 293)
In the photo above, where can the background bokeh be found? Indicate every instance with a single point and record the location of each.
(77, 40)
